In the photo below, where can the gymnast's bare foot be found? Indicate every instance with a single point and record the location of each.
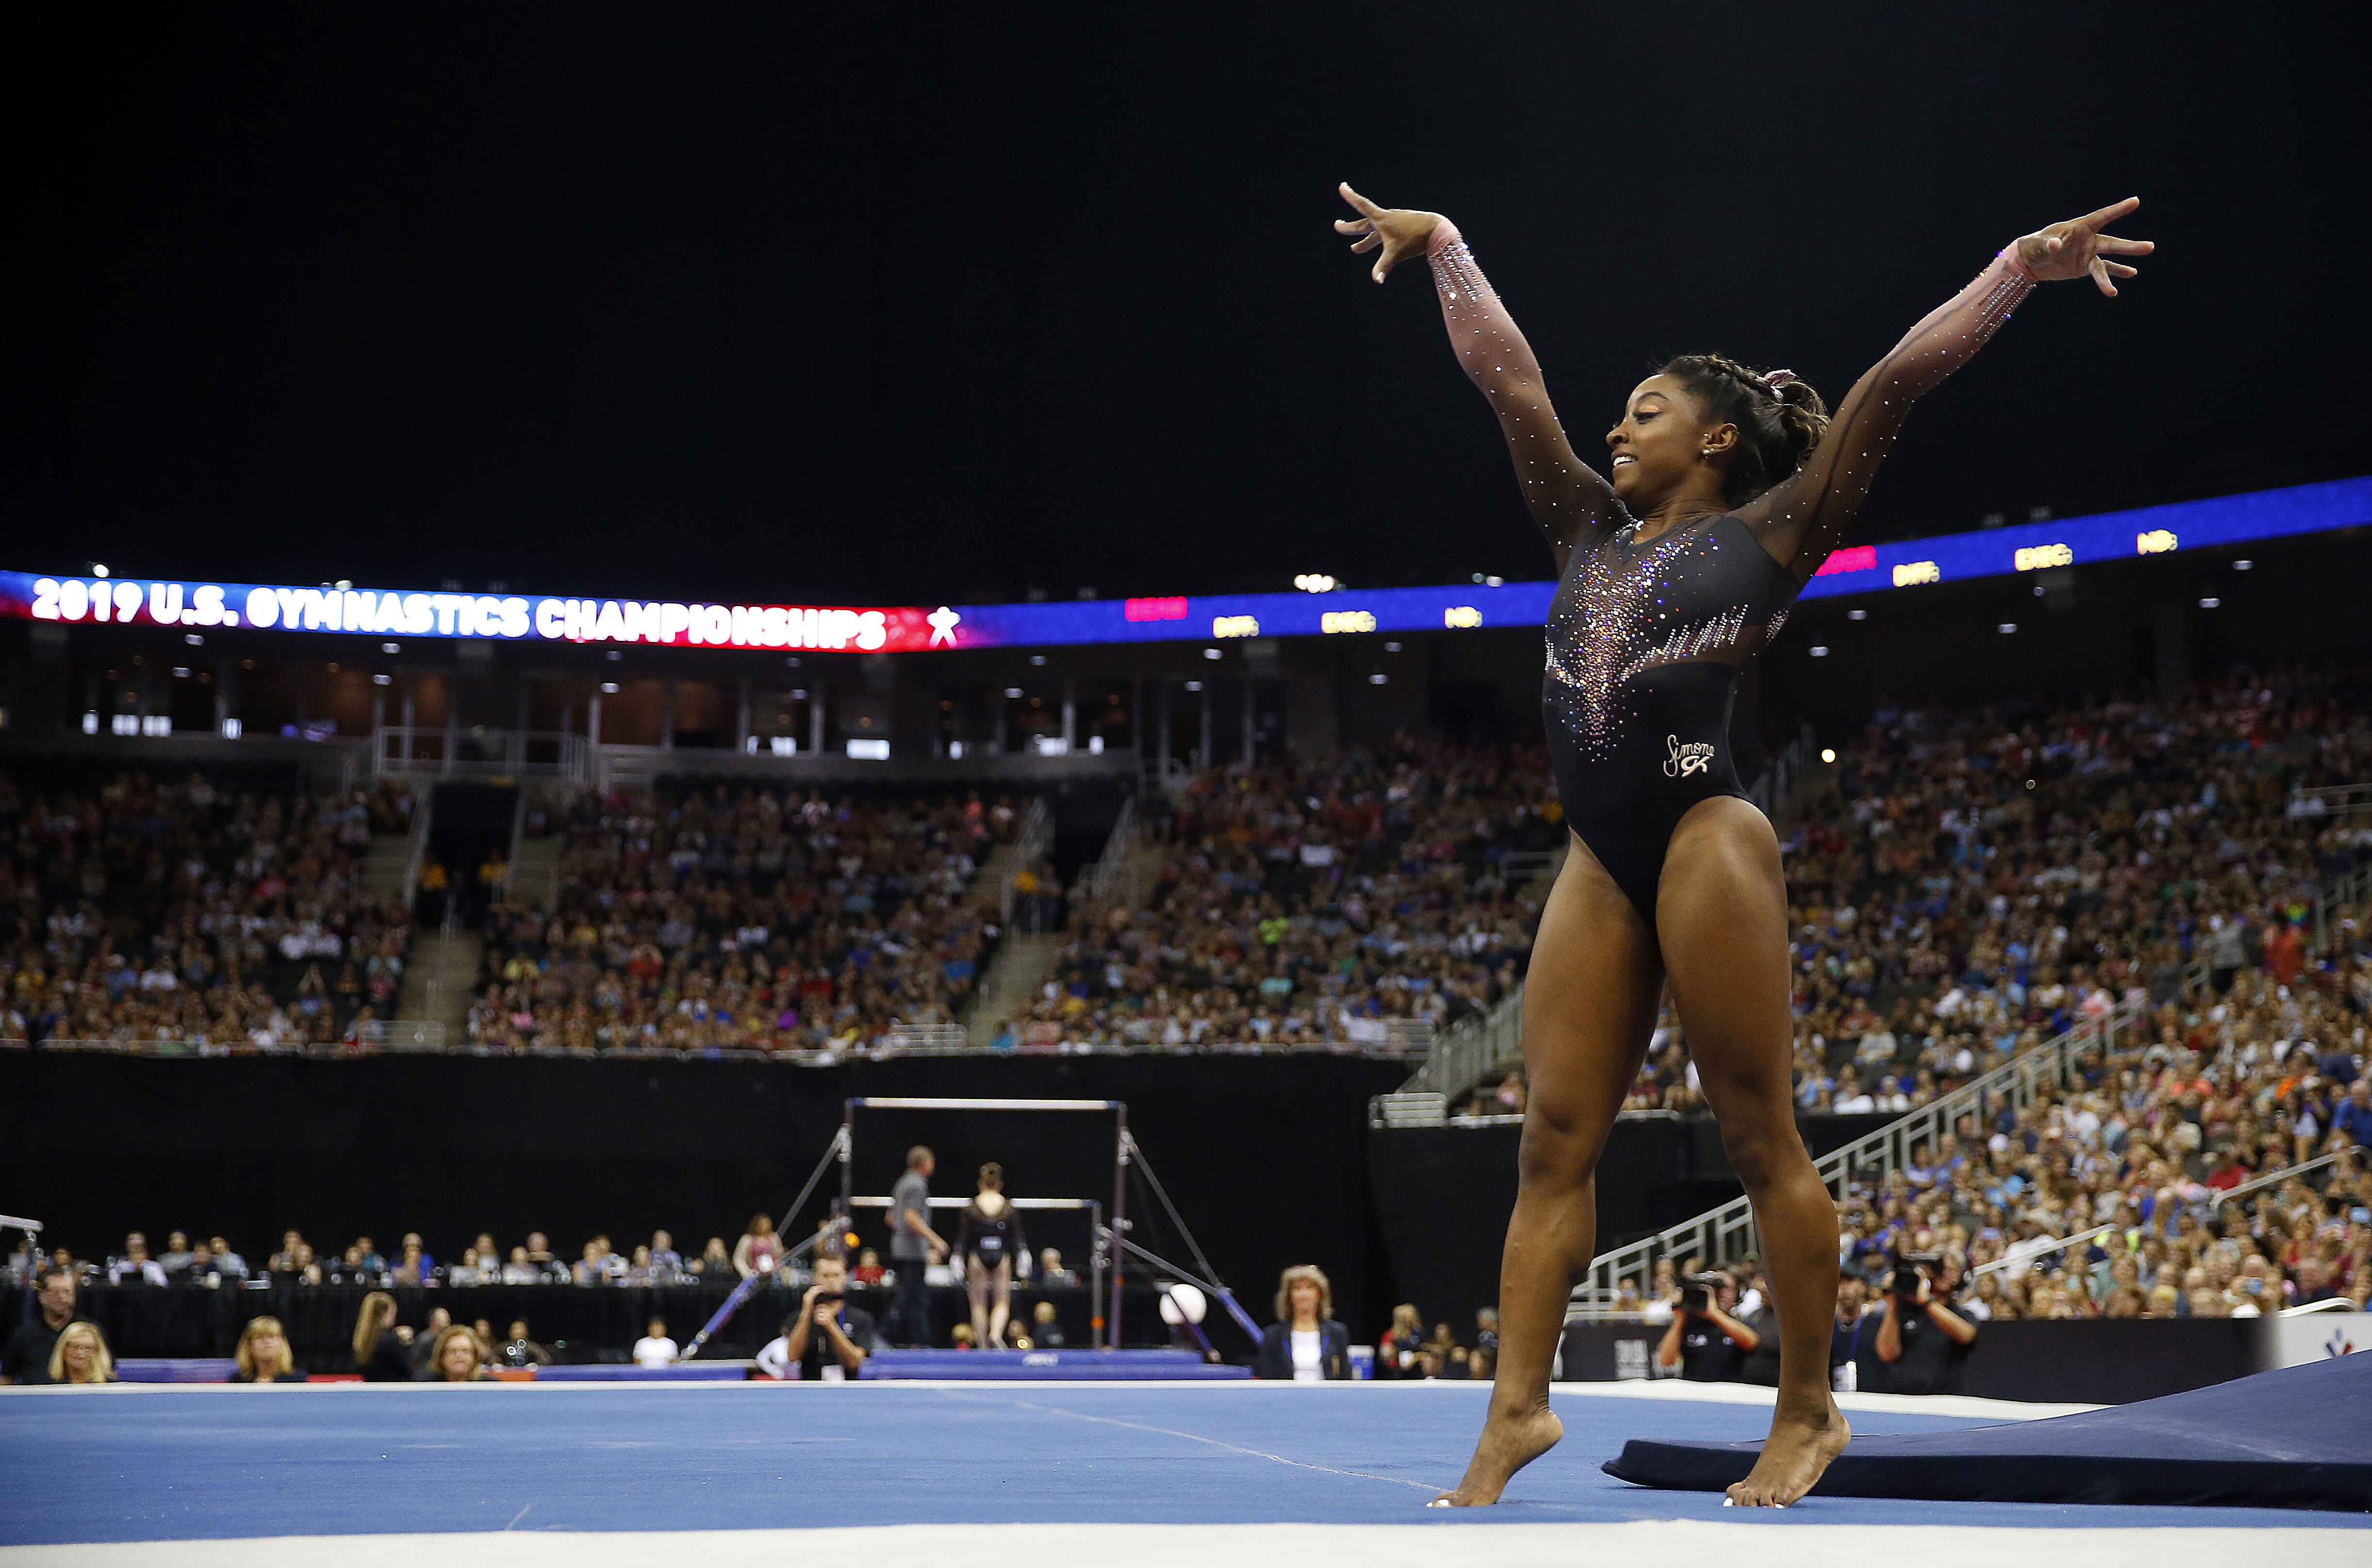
(1797, 1451)
(1509, 1441)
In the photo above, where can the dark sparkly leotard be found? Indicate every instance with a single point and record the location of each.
(1646, 637)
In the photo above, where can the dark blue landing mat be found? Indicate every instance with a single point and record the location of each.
(165, 1464)
(2297, 1438)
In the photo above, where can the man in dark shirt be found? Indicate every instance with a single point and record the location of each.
(26, 1358)
(1924, 1343)
(828, 1338)
(1704, 1342)
(914, 1245)
(1853, 1340)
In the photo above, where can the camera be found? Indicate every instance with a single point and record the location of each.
(831, 1296)
(1908, 1267)
(1697, 1291)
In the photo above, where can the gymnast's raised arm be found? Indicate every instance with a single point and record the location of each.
(1801, 519)
(1565, 495)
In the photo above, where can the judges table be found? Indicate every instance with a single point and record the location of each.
(576, 1323)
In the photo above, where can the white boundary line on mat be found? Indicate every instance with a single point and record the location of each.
(1778, 1542)
(1666, 1389)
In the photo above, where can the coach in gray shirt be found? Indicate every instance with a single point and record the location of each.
(914, 1247)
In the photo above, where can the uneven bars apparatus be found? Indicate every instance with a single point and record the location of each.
(1112, 1243)
(1096, 1322)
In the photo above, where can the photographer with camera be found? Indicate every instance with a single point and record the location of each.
(829, 1339)
(1923, 1342)
(1704, 1342)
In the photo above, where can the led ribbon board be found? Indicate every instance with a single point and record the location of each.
(1218, 618)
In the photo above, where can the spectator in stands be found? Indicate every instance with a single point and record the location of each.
(593, 1269)
(773, 1357)
(1396, 1351)
(1704, 1342)
(284, 1261)
(539, 1256)
(422, 1348)
(655, 1348)
(413, 1267)
(869, 1271)
(521, 1268)
(469, 1271)
(519, 1350)
(1045, 1327)
(456, 1356)
(136, 1267)
(263, 1355)
(829, 1339)
(1051, 1271)
(26, 1357)
(667, 1263)
(758, 1251)
(1925, 1344)
(713, 1265)
(1304, 1344)
(80, 1355)
(1853, 1342)
(379, 1351)
(228, 1263)
(177, 1256)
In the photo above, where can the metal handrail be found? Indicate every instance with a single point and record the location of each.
(1113, 879)
(1726, 1233)
(2275, 1178)
(1030, 846)
(424, 1035)
(2040, 1246)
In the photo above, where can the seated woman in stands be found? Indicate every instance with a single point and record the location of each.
(80, 1355)
(458, 1357)
(263, 1353)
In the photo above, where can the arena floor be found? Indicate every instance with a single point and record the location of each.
(583, 1474)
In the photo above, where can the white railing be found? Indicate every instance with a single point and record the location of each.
(395, 1035)
(1468, 1051)
(1030, 846)
(2331, 800)
(423, 803)
(926, 1040)
(2026, 1252)
(1723, 1235)
(1524, 864)
(1112, 880)
(494, 753)
(2255, 1185)
(1773, 793)
(2343, 891)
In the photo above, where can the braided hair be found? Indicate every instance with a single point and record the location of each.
(1777, 428)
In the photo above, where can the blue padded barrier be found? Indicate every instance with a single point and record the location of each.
(172, 1369)
(2300, 1437)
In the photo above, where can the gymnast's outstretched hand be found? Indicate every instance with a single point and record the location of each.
(2071, 250)
(1400, 231)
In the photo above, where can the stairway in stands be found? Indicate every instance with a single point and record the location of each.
(438, 980)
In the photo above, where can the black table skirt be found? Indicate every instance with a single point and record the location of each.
(576, 1323)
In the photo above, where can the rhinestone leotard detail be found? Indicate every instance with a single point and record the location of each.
(1646, 637)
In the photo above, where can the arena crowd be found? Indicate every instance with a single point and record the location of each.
(720, 917)
(209, 908)
(1301, 904)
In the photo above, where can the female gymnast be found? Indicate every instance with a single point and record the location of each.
(1727, 490)
(987, 1240)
